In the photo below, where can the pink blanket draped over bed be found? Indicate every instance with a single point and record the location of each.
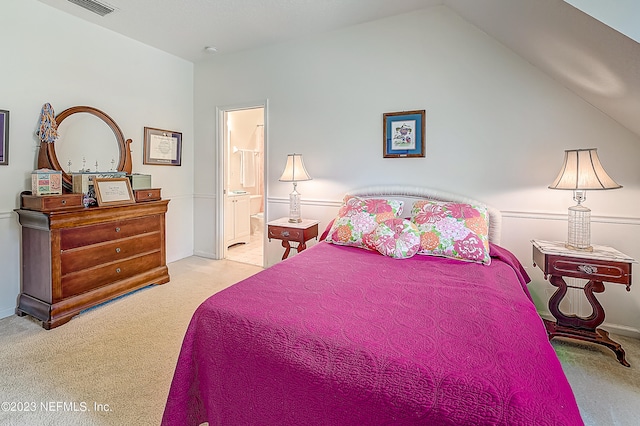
(343, 336)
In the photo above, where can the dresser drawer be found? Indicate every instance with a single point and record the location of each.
(93, 234)
(90, 279)
(87, 257)
(288, 234)
(589, 269)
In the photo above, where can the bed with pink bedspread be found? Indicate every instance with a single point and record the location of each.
(343, 336)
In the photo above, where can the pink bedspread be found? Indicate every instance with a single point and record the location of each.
(342, 336)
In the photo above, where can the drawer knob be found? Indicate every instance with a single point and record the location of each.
(117, 249)
(117, 229)
(588, 269)
(149, 194)
(285, 233)
(117, 270)
(64, 201)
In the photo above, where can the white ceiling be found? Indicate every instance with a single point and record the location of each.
(185, 27)
(588, 57)
(623, 15)
(596, 62)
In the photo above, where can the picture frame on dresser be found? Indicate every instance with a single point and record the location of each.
(162, 147)
(113, 191)
(4, 137)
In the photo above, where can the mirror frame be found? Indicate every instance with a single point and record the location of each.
(47, 157)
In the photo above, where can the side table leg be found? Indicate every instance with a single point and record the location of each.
(589, 323)
(616, 347)
(287, 249)
(573, 326)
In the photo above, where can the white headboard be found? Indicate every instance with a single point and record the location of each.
(409, 194)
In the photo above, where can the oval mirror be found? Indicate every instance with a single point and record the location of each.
(86, 138)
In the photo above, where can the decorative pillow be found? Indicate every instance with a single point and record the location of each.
(397, 238)
(455, 230)
(359, 217)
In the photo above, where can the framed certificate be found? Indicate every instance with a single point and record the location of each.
(113, 192)
(162, 147)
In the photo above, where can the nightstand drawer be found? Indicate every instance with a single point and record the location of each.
(299, 232)
(613, 272)
(289, 234)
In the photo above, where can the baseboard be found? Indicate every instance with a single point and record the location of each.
(4, 313)
(205, 254)
(621, 330)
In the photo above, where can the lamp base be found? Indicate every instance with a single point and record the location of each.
(570, 247)
(579, 235)
(294, 206)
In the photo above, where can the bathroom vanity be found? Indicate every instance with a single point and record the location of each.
(237, 218)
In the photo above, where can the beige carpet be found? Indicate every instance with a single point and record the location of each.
(113, 365)
(122, 353)
(607, 392)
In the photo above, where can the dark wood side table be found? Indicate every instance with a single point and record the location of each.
(603, 264)
(282, 229)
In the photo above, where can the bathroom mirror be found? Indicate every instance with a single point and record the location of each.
(86, 136)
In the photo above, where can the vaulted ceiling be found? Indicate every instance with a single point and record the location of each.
(588, 57)
(593, 60)
(185, 27)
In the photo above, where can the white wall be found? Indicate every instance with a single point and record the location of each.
(51, 56)
(496, 130)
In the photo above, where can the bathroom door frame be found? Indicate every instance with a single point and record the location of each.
(221, 175)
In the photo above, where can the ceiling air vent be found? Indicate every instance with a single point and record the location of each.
(93, 6)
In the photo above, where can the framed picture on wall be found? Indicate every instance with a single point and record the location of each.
(162, 147)
(403, 134)
(4, 137)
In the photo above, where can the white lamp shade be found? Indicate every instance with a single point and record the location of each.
(294, 170)
(582, 170)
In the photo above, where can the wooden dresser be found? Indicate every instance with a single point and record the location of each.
(76, 258)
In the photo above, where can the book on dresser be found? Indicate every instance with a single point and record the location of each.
(74, 258)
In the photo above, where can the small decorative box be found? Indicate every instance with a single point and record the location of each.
(46, 182)
(139, 181)
(82, 183)
(50, 202)
(151, 194)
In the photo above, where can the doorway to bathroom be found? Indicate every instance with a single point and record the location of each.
(244, 186)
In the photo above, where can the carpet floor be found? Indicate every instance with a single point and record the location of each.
(113, 364)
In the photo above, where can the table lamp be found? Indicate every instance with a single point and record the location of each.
(581, 171)
(295, 172)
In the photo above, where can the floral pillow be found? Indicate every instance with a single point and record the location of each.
(455, 230)
(359, 217)
(397, 238)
